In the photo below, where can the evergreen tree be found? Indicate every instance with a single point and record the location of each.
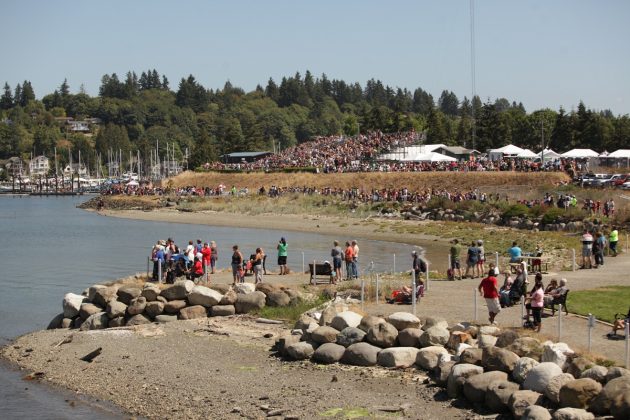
(271, 90)
(27, 93)
(64, 89)
(6, 101)
(17, 96)
(164, 83)
(448, 103)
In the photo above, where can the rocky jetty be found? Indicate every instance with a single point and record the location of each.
(507, 374)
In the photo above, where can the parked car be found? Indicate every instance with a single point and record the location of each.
(596, 180)
(625, 185)
(608, 181)
(617, 182)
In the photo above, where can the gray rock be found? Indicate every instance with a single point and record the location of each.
(66, 323)
(91, 291)
(522, 368)
(579, 393)
(370, 321)
(299, 351)
(115, 309)
(163, 319)
(249, 302)
(616, 372)
(174, 306)
(221, 288)
(116, 322)
(496, 358)
(193, 312)
(520, 400)
(350, 335)
(614, 389)
(72, 304)
(284, 341)
(556, 353)
(179, 290)
(490, 330)
(204, 296)
(498, 396)
(229, 298)
(382, 335)
(486, 340)
(409, 337)
(88, 309)
(295, 297)
(127, 293)
(329, 353)
(139, 320)
(476, 386)
(361, 354)
(506, 338)
(150, 292)
(620, 407)
(162, 299)
(434, 321)
(346, 319)
(552, 391)
(101, 295)
(471, 356)
(244, 288)
(278, 299)
(154, 309)
(428, 357)
(576, 365)
(137, 305)
(596, 373)
(97, 321)
(222, 310)
(55, 322)
(324, 334)
(539, 376)
(457, 377)
(76, 322)
(569, 413)
(434, 336)
(397, 357)
(402, 320)
(536, 412)
(442, 372)
(526, 347)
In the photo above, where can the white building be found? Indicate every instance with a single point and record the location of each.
(75, 169)
(39, 166)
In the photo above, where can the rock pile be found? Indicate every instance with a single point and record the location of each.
(117, 305)
(499, 370)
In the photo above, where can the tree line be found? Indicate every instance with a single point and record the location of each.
(138, 112)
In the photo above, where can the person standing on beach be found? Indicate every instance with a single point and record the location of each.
(455, 252)
(613, 238)
(282, 256)
(189, 253)
(471, 260)
(206, 254)
(489, 289)
(214, 255)
(336, 253)
(418, 266)
(257, 266)
(237, 264)
(348, 257)
(355, 259)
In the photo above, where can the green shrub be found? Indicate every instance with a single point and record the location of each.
(515, 210)
(553, 215)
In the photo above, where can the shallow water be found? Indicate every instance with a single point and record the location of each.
(51, 248)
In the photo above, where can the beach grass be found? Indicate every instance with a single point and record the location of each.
(602, 302)
(290, 314)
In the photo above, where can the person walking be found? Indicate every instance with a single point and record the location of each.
(237, 264)
(471, 260)
(489, 289)
(418, 267)
(537, 303)
(613, 238)
(282, 256)
(336, 253)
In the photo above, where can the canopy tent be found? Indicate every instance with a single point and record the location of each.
(418, 157)
(527, 154)
(548, 154)
(404, 153)
(132, 183)
(509, 150)
(619, 154)
(580, 154)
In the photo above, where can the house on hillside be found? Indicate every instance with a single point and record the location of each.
(75, 168)
(15, 167)
(39, 166)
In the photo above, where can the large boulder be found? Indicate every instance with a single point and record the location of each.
(163, 319)
(498, 396)
(409, 337)
(428, 357)
(277, 298)
(127, 293)
(596, 373)
(328, 353)
(204, 296)
(139, 319)
(345, 319)
(397, 357)
(370, 321)
(150, 292)
(324, 334)
(490, 330)
(250, 302)
(506, 338)
(458, 376)
(244, 288)
(115, 309)
(193, 312)
(434, 321)
(486, 340)
(222, 310)
(350, 335)
(56, 322)
(299, 351)
(614, 389)
(476, 386)
(552, 392)
(97, 321)
(522, 368)
(116, 322)
(221, 287)
(471, 356)
(229, 298)
(179, 290)
(496, 358)
(569, 413)
(520, 400)
(91, 294)
(579, 393)
(154, 309)
(267, 288)
(361, 354)
(576, 365)
(620, 407)
(616, 372)
(284, 341)
(102, 295)
(72, 304)
(556, 353)
(539, 376)
(526, 347)
(137, 305)
(88, 309)
(458, 338)
(402, 320)
(442, 372)
(174, 306)
(536, 412)
(382, 335)
(434, 336)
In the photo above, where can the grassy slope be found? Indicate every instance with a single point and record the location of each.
(603, 302)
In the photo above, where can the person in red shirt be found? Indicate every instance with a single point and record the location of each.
(206, 253)
(349, 257)
(196, 270)
(489, 289)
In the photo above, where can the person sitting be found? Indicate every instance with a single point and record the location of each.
(537, 262)
(619, 324)
(404, 295)
(519, 286)
(504, 292)
(557, 294)
(515, 253)
(553, 285)
(196, 271)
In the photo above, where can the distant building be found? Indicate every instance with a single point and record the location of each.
(240, 157)
(39, 165)
(15, 167)
(457, 152)
(75, 168)
(83, 126)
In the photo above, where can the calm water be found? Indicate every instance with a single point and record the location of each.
(51, 248)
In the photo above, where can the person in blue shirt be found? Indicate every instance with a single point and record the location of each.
(515, 253)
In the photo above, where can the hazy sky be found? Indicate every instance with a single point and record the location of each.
(544, 53)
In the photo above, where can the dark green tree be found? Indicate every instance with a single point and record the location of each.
(6, 101)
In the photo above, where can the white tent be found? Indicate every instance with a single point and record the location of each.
(548, 154)
(404, 153)
(509, 150)
(526, 154)
(580, 154)
(620, 154)
(132, 183)
(432, 157)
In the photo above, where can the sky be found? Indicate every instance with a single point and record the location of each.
(543, 53)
